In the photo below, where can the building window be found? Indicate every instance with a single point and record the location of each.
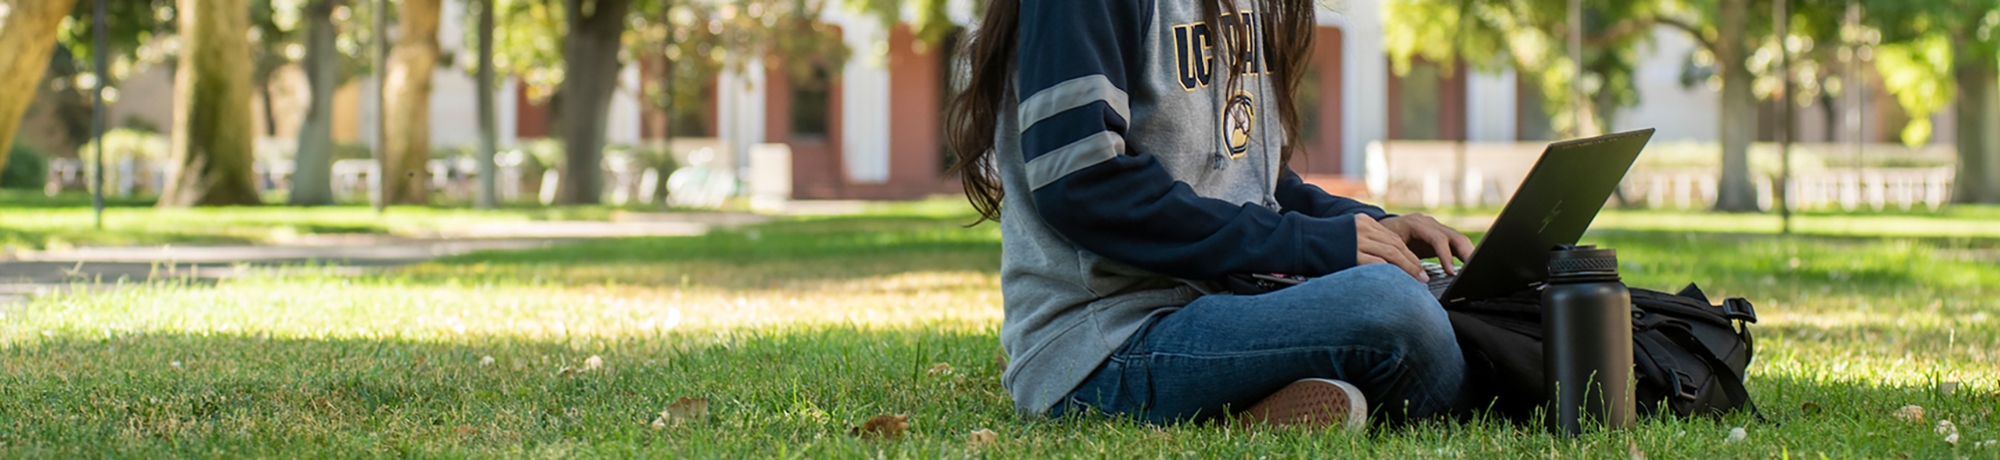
(1308, 99)
(812, 105)
(1531, 114)
(1420, 103)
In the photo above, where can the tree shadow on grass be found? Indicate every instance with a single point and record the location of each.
(763, 256)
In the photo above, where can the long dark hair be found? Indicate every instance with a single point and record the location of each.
(1288, 25)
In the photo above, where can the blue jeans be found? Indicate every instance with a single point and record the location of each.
(1372, 326)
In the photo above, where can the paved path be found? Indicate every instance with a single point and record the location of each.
(38, 272)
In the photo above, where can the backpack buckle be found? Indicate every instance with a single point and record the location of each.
(1684, 386)
(1739, 309)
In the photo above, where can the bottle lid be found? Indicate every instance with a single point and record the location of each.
(1581, 263)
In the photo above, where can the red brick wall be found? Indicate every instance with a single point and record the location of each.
(531, 119)
(817, 169)
(915, 116)
(1323, 156)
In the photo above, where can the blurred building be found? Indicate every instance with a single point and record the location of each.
(872, 128)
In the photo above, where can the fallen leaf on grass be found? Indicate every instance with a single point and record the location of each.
(1946, 427)
(941, 369)
(1632, 448)
(465, 430)
(882, 427)
(1911, 413)
(682, 410)
(486, 361)
(1951, 439)
(981, 437)
(594, 363)
(1737, 434)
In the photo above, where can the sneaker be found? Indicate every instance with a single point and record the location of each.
(1311, 403)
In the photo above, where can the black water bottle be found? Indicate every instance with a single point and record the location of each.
(1587, 351)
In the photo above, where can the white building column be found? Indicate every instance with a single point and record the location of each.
(1490, 106)
(621, 126)
(864, 87)
(740, 114)
(1364, 86)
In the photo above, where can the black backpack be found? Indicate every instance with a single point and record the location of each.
(1688, 355)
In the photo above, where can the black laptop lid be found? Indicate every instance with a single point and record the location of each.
(1554, 205)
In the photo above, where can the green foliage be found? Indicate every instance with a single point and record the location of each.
(1531, 37)
(1919, 73)
(697, 39)
(1922, 42)
(27, 168)
(129, 144)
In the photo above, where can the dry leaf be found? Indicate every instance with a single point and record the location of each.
(981, 437)
(1632, 448)
(1737, 434)
(1911, 413)
(486, 361)
(941, 369)
(465, 430)
(882, 426)
(1951, 439)
(684, 409)
(594, 363)
(1946, 427)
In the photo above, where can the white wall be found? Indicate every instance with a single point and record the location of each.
(740, 113)
(1364, 79)
(1490, 106)
(1680, 114)
(864, 86)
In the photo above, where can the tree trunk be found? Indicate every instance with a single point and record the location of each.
(212, 136)
(312, 167)
(1978, 179)
(28, 32)
(1739, 109)
(590, 64)
(270, 108)
(488, 126)
(407, 136)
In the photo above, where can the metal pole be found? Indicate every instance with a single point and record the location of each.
(381, 105)
(1786, 132)
(1576, 60)
(1465, 126)
(97, 111)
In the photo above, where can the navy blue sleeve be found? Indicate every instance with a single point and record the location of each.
(1295, 194)
(1074, 58)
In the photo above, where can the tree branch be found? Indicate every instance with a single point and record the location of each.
(1692, 30)
(1624, 29)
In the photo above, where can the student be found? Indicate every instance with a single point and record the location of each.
(1139, 150)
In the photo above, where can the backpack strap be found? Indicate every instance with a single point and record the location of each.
(1732, 383)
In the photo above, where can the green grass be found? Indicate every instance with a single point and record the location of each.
(799, 329)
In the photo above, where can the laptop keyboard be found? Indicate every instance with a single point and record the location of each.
(1439, 280)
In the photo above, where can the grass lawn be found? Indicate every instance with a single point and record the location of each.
(30, 221)
(797, 330)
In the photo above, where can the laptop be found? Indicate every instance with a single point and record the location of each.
(1555, 204)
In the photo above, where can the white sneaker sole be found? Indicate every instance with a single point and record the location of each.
(1311, 403)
